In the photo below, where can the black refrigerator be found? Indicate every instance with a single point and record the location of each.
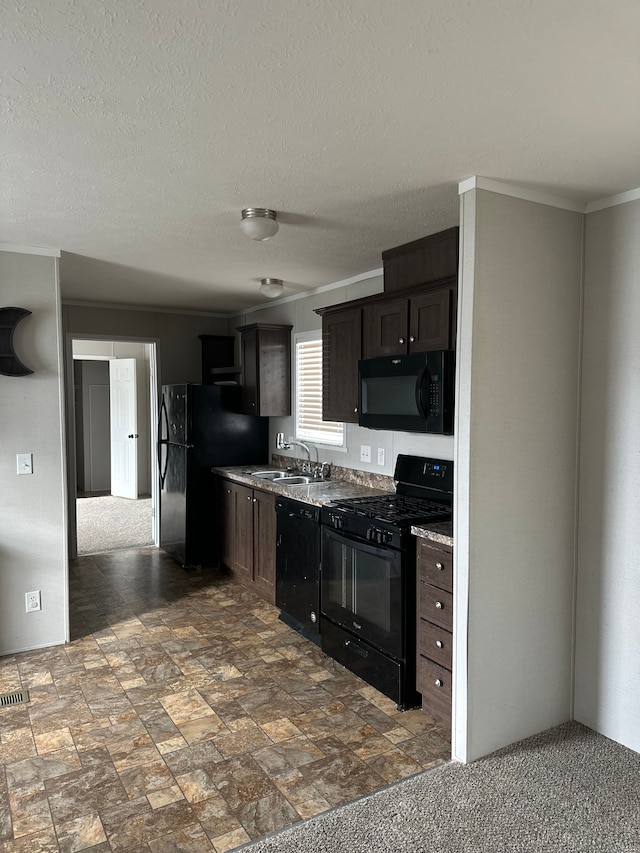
(200, 427)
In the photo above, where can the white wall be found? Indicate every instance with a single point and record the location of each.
(179, 349)
(608, 613)
(300, 314)
(33, 552)
(518, 366)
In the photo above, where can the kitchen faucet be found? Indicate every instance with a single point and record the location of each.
(281, 444)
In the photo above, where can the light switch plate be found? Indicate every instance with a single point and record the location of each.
(25, 463)
(381, 456)
(365, 453)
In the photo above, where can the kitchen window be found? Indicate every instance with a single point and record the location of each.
(308, 394)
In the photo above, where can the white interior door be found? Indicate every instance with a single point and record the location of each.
(124, 427)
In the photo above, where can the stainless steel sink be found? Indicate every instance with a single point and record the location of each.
(286, 479)
(268, 475)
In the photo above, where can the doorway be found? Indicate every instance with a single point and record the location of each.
(112, 426)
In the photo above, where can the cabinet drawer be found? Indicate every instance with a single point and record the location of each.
(434, 682)
(435, 643)
(435, 565)
(435, 605)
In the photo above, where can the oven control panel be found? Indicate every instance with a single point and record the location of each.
(379, 536)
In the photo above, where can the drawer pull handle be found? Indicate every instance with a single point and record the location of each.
(439, 605)
(412, 338)
(400, 340)
(440, 644)
(438, 682)
(439, 566)
(354, 648)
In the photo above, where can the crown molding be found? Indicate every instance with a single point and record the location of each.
(613, 200)
(479, 183)
(30, 250)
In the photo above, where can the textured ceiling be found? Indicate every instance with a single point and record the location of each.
(134, 131)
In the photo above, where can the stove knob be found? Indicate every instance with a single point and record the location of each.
(371, 534)
(338, 523)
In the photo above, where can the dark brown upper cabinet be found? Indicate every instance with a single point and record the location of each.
(341, 350)
(422, 262)
(416, 313)
(416, 323)
(266, 369)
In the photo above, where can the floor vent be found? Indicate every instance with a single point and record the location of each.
(18, 697)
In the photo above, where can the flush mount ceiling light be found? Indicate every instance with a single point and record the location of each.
(259, 223)
(272, 287)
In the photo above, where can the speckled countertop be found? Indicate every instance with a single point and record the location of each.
(441, 533)
(331, 490)
(314, 493)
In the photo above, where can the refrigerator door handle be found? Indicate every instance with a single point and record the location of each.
(163, 414)
(163, 473)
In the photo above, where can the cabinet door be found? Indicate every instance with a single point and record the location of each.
(430, 320)
(274, 371)
(384, 328)
(226, 522)
(266, 369)
(249, 350)
(341, 350)
(242, 563)
(264, 545)
(421, 262)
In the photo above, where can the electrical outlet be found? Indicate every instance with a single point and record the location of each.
(32, 601)
(365, 453)
(381, 456)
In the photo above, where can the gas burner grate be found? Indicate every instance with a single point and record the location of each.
(395, 508)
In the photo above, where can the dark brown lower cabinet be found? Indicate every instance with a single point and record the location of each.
(248, 536)
(434, 629)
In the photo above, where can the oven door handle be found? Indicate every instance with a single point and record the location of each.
(359, 544)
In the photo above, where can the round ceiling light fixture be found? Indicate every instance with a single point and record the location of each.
(272, 287)
(259, 223)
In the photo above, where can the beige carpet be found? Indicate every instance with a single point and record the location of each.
(110, 524)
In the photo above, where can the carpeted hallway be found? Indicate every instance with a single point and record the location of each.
(107, 523)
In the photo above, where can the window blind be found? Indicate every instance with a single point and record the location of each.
(309, 423)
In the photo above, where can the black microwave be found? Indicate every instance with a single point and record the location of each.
(409, 393)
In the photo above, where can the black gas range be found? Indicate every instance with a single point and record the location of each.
(368, 589)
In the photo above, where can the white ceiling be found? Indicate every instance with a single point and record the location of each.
(135, 131)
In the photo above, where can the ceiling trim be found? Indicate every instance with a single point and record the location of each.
(478, 183)
(303, 294)
(119, 306)
(613, 200)
(30, 250)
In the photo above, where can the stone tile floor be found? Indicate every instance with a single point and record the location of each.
(184, 716)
